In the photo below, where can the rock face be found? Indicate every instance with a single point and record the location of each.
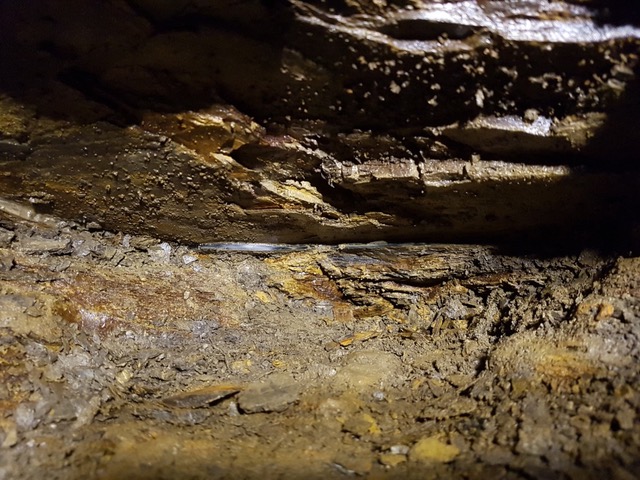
(406, 132)
(323, 121)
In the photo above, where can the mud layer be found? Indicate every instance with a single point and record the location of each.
(127, 357)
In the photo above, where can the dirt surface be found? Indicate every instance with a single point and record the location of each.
(127, 357)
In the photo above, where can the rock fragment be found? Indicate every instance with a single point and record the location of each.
(273, 395)
(6, 236)
(431, 449)
(368, 368)
(6, 261)
(38, 245)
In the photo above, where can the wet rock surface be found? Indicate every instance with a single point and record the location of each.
(130, 363)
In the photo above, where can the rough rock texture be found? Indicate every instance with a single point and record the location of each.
(129, 357)
(130, 130)
(323, 121)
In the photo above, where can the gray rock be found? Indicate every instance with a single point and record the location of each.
(275, 394)
(44, 245)
(6, 236)
(367, 369)
(6, 262)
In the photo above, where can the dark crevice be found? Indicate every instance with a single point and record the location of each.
(89, 85)
(420, 29)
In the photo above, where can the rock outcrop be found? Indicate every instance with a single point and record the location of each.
(323, 121)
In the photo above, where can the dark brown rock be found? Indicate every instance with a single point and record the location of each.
(306, 122)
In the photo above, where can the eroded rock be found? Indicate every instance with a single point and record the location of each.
(450, 121)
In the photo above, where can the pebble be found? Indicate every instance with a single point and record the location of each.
(273, 395)
(430, 449)
(6, 262)
(399, 449)
(160, 253)
(6, 236)
(10, 433)
(361, 425)
(188, 259)
(109, 252)
(60, 266)
(391, 459)
(368, 368)
(626, 418)
(85, 410)
(25, 417)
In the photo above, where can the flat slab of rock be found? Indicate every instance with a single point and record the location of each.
(44, 245)
(274, 394)
(368, 369)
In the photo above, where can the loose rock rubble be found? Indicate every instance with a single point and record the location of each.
(127, 357)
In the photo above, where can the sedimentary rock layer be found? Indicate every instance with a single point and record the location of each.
(322, 122)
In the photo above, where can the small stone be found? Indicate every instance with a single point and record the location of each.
(60, 266)
(117, 258)
(626, 418)
(6, 236)
(274, 395)
(378, 396)
(361, 424)
(368, 368)
(189, 259)
(241, 366)
(141, 242)
(123, 376)
(622, 72)
(391, 460)
(86, 410)
(160, 253)
(10, 433)
(534, 438)
(605, 310)
(25, 417)
(108, 252)
(430, 449)
(6, 262)
(399, 449)
(35, 245)
(531, 115)
(94, 226)
(519, 386)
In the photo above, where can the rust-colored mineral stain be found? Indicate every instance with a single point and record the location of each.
(102, 303)
(304, 278)
(357, 337)
(95, 318)
(561, 369)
